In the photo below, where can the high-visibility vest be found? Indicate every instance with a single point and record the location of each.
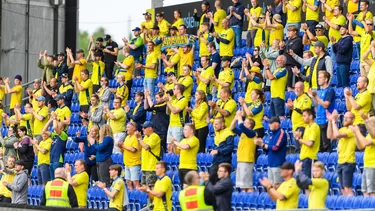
(57, 193)
(192, 198)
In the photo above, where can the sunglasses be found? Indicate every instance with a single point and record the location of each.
(318, 30)
(369, 24)
(261, 17)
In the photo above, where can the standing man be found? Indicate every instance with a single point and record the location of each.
(204, 76)
(117, 120)
(58, 192)
(343, 50)
(138, 115)
(225, 108)
(235, 16)
(279, 79)
(311, 8)
(78, 65)
(286, 196)
(122, 90)
(150, 68)
(136, 48)
(226, 76)
(50, 91)
(293, 10)
(276, 147)
(19, 185)
(40, 117)
(61, 67)
(66, 89)
(117, 193)
(215, 60)
(128, 65)
(15, 92)
(34, 94)
(227, 38)
(110, 55)
(84, 88)
(63, 113)
(80, 181)
(309, 140)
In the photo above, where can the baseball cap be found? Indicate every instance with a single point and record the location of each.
(156, 27)
(80, 51)
(274, 119)
(147, 13)
(226, 58)
(173, 28)
(319, 26)
(136, 29)
(319, 44)
(41, 98)
(59, 97)
(170, 74)
(61, 54)
(107, 37)
(19, 77)
(99, 39)
(345, 26)
(287, 166)
(147, 124)
(20, 163)
(64, 75)
(98, 53)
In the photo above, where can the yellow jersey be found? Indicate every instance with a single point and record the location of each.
(300, 103)
(226, 76)
(82, 179)
(174, 58)
(254, 12)
(187, 58)
(218, 18)
(148, 160)
(312, 133)
(206, 73)
(346, 147)
(39, 125)
(188, 82)
(199, 115)
(227, 49)
(128, 73)
(296, 15)
(340, 20)
(188, 158)
(37, 93)
(164, 185)
(118, 124)
(369, 155)
(177, 120)
(97, 72)
(318, 195)
(44, 158)
(118, 201)
(290, 191)
(278, 85)
(16, 96)
(230, 106)
(363, 99)
(77, 69)
(85, 94)
(312, 15)
(132, 158)
(152, 58)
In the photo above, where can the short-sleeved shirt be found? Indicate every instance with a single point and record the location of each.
(255, 83)
(97, 72)
(132, 158)
(257, 110)
(16, 97)
(123, 91)
(148, 160)
(332, 4)
(300, 103)
(340, 20)
(365, 42)
(322, 39)
(312, 133)
(118, 201)
(185, 58)
(151, 58)
(353, 7)
(290, 191)
(82, 180)
(118, 124)
(188, 158)
(45, 158)
(346, 147)
(178, 23)
(319, 190)
(174, 58)
(312, 15)
(227, 49)
(364, 100)
(277, 33)
(246, 149)
(128, 73)
(39, 125)
(206, 73)
(261, 36)
(63, 112)
(226, 76)
(230, 106)
(85, 94)
(361, 30)
(158, 41)
(371, 79)
(188, 82)
(203, 49)
(27, 122)
(78, 67)
(369, 155)
(255, 12)
(199, 115)
(164, 28)
(164, 185)
(58, 147)
(278, 85)
(2, 92)
(176, 120)
(218, 18)
(6, 177)
(296, 15)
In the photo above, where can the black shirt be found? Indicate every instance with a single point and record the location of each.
(296, 45)
(49, 98)
(160, 118)
(108, 58)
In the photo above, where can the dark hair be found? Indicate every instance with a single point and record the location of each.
(226, 166)
(309, 111)
(183, 25)
(95, 96)
(309, 53)
(140, 93)
(117, 98)
(117, 168)
(160, 94)
(365, 1)
(211, 45)
(162, 164)
(341, 8)
(106, 79)
(293, 28)
(261, 95)
(85, 71)
(179, 12)
(180, 87)
(23, 129)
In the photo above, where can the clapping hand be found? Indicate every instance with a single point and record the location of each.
(348, 92)
(68, 168)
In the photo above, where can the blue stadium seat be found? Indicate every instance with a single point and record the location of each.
(353, 78)
(357, 202)
(261, 200)
(348, 202)
(301, 199)
(359, 160)
(330, 202)
(340, 202)
(366, 202)
(323, 157)
(234, 161)
(269, 204)
(209, 143)
(332, 161)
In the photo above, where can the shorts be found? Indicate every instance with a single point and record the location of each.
(277, 107)
(84, 108)
(345, 172)
(175, 132)
(307, 166)
(132, 173)
(43, 174)
(148, 178)
(368, 180)
(244, 175)
(118, 137)
(274, 175)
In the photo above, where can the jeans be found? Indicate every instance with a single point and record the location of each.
(342, 73)
(298, 25)
(149, 84)
(52, 169)
(43, 174)
(238, 33)
(331, 53)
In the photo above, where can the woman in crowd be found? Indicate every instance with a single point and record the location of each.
(95, 115)
(255, 110)
(177, 19)
(199, 115)
(160, 118)
(162, 23)
(89, 150)
(8, 142)
(104, 92)
(25, 149)
(104, 150)
(254, 60)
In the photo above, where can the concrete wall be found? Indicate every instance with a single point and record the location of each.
(18, 46)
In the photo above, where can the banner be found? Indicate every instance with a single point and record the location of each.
(178, 41)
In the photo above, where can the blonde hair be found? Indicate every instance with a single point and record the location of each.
(96, 128)
(319, 165)
(104, 131)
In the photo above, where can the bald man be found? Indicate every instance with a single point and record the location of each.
(66, 198)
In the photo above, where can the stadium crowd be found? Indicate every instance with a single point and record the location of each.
(291, 86)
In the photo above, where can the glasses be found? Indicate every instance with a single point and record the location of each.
(369, 24)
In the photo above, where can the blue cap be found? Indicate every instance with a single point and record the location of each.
(136, 29)
(41, 98)
(147, 124)
(59, 97)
